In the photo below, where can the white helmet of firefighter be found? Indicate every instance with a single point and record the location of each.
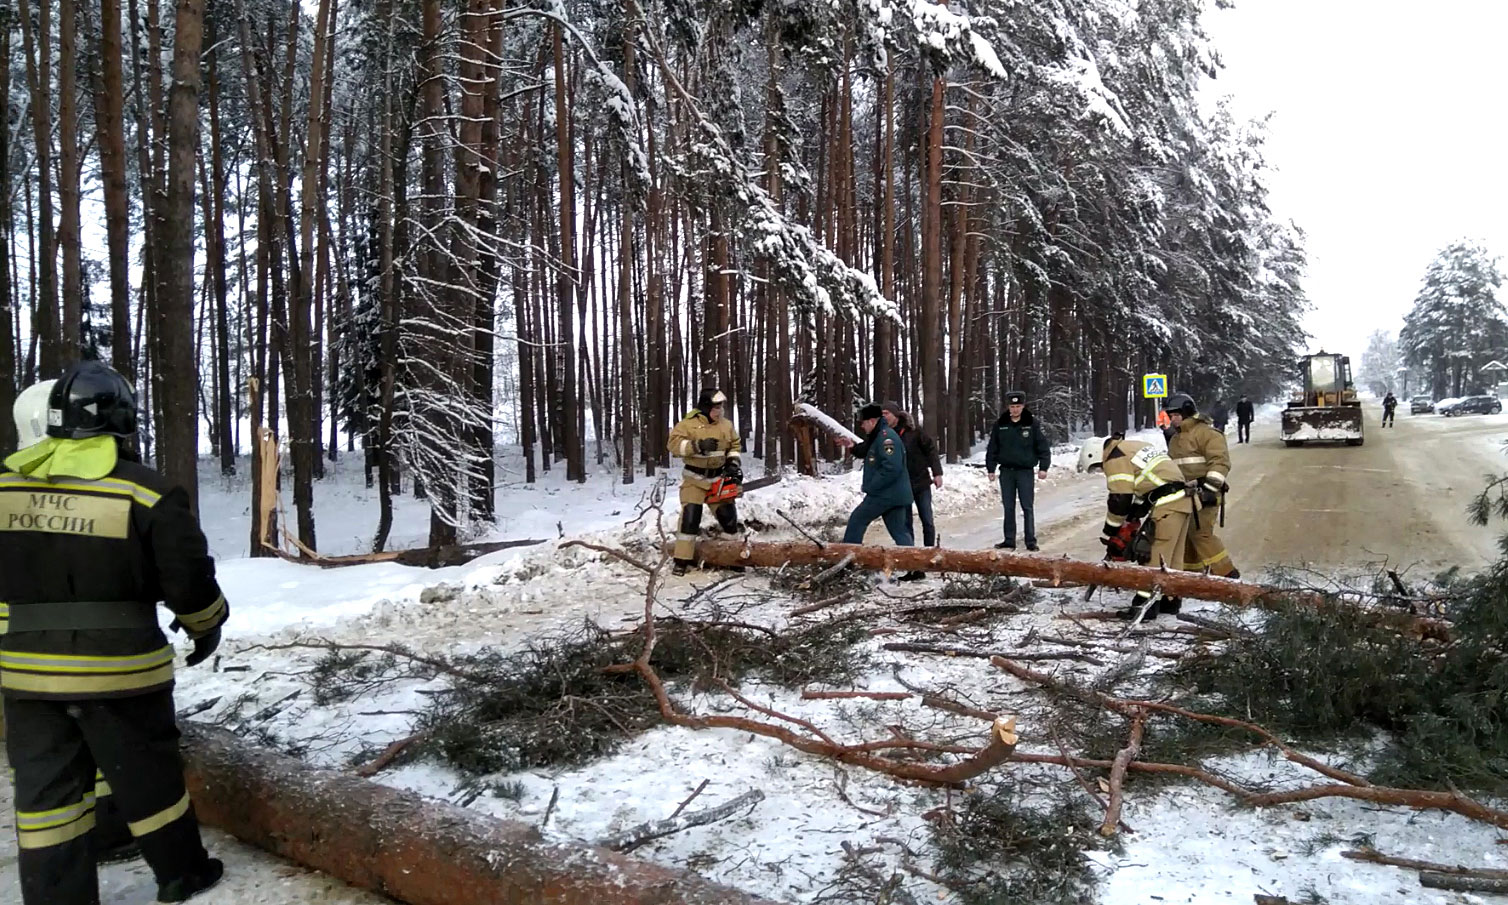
(30, 412)
(1092, 454)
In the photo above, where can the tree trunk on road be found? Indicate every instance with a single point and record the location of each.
(1058, 570)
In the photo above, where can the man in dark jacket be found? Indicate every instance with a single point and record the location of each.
(1245, 415)
(887, 484)
(924, 465)
(1220, 416)
(1389, 407)
(90, 542)
(1017, 445)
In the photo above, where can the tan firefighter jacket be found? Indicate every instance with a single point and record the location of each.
(1201, 452)
(1141, 479)
(685, 439)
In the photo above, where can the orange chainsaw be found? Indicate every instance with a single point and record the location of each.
(726, 490)
(1125, 535)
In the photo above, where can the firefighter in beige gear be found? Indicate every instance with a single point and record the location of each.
(90, 542)
(1203, 456)
(1145, 485)
(708, 447)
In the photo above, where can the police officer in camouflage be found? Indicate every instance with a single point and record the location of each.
(90, 543)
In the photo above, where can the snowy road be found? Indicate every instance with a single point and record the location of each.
(1400, 497)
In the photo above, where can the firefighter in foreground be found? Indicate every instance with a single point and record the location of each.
(1147, 488)
(708, 446)
(110, 839)
(90, 542)
(1202, 454)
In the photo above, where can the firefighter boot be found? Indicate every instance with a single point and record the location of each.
(1169, 606)
(680, 567)
(1142, 608)
(185, 887)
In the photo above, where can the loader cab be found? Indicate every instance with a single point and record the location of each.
(1327, 380)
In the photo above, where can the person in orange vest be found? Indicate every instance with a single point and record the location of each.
(1164, 422)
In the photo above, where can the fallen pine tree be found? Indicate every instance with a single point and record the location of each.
(1055, 570)
(413, 849)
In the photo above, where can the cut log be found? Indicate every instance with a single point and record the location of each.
(1058, 570)
(415, 850)
(427, 557)
(1455, 882)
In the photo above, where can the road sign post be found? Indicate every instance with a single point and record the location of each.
(1154, 386)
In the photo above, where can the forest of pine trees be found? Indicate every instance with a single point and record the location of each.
(420, 230)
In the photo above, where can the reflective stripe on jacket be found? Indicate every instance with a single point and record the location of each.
(129, 537)
(1140, 470)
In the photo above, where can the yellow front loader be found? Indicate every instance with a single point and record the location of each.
(1328, 408)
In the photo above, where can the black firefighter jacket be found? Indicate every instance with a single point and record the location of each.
(119, 543)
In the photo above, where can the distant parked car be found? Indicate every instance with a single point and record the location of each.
(1476, 405)
(1443, 406)
(1421, 405)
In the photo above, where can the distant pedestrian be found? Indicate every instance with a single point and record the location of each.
(1220, 416)
(1017, 446)
(887, 484)
(1245, 415)
(924, 467)
(1389, 406)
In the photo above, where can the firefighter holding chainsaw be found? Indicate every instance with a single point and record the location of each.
(707, 444)
(1147, 515)
(1202, 454)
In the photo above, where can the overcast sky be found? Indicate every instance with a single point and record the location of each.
(1389, 136)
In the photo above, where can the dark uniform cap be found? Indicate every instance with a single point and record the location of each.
(891, 406)
(91, 399)
(1181, 403)
(1015, 397)
(870, 411)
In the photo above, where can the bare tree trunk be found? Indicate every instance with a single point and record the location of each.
(9, 338)
(627, 396)
(37, 44)
(179, 435)
(887, 381)
(301, 414)
(569, 272)
(930, 337)
(214, 236)
(388, 342)
(146, 120)
(109, 121)
(70, 238)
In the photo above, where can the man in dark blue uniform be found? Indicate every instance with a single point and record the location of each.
(1017, 447)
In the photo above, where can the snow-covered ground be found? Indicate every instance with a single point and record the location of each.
(1189, 843)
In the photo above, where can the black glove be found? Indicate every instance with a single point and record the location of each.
(204, 645)
(733, 471)
(707, 444)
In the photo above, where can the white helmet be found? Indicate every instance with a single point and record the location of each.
(30, 412)
(1092, 454)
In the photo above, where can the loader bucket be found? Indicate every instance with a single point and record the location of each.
(1302, 424)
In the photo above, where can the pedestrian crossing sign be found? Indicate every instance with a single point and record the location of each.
(1154, 386)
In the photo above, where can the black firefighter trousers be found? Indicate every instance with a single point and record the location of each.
(54, 748)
